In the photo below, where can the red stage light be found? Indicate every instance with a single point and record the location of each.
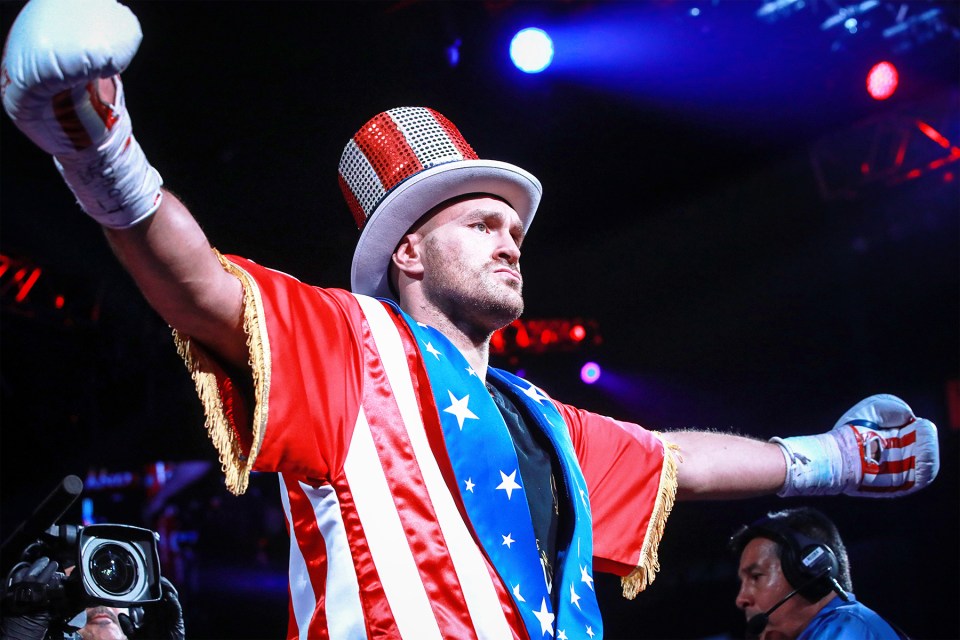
(577, 333)
(882, 80)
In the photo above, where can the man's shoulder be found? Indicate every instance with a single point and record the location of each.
(853, 619)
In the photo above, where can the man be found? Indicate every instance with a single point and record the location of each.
(36, 607)
(428, 495)
(103, 623)
(795, 581)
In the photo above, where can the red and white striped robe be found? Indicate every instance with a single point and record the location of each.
(380, 544)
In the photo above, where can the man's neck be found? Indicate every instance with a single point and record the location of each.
(474, 347)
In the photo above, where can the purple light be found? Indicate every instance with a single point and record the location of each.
(590, 372)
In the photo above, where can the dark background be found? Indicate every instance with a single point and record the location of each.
(760, 243)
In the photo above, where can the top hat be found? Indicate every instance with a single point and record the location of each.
(400, 165)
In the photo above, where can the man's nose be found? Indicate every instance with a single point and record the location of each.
(508, 249)
(744, 598)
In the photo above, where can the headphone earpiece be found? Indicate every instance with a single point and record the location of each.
(802, 559)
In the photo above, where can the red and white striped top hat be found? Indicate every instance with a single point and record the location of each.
(404, 162)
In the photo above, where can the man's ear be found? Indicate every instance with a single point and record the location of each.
(408, 258)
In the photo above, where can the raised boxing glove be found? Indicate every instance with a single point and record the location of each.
(55, 55)
(878, 449)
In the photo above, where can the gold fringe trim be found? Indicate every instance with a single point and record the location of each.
(641, 577)
(236, 465)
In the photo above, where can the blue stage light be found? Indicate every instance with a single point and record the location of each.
(531, 50)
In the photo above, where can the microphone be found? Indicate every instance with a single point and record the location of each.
(758, 623)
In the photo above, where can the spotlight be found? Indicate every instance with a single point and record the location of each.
(590, 372)
(882, 80)
(531, 50)
(577, 333)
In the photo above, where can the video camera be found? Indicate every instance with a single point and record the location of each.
(112, 564)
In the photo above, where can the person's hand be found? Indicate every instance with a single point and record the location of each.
(877, 449)
(26, 615)
(60, 85)
(162, 620)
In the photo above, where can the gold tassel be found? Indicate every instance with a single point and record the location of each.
(641, 577)
(235, 464)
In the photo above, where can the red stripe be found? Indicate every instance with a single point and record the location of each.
(387, 151)
(431, 420)
(903, 441)
(64, 110)
(893, 489)
(292, 632)
(314, 552)
(434, 430)
(107, 115)
(378, 617)
(453, 133)
(417, 514)
(358, 215)
(897, 466)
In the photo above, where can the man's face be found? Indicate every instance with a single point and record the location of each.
(762, 585)
(470, 253)
(102, 624)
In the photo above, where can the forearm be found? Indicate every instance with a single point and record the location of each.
(713, 465)
(170, 259)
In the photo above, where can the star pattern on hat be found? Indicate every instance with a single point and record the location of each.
(508, 483)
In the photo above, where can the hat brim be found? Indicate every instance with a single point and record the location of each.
(414, 197)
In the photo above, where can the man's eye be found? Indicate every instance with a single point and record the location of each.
(480, 226)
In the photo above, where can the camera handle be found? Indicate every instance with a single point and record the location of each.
(43, 517)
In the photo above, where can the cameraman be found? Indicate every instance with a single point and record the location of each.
(34, 608)
(103, 623)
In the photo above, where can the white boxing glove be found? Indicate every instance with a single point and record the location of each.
(878, 449)
(55, 55)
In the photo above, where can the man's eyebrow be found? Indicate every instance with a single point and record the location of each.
(500, 215)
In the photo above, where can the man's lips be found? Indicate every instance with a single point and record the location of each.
(101, 617)
(510, 272)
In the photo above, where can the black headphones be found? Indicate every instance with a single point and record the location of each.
(809, 565)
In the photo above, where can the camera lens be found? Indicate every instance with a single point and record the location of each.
(113, 569)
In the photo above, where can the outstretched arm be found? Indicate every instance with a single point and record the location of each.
(171, 261)
(716, 466)
(878, 448)
(61, 86)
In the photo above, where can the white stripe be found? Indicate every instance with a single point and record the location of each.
(344, 611)
(385, 536)
(365, 184)
(303, 600)
(478, 589)
(427, 139)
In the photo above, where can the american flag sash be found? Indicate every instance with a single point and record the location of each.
(491, 489)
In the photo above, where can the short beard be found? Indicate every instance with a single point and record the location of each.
(458, 298)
